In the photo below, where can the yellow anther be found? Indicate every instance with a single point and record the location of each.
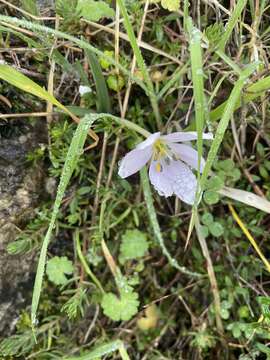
(158, 167)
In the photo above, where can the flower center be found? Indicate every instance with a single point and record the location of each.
(161, 151)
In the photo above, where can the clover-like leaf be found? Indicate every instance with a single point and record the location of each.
(171, 5)
(216, 229)
(120, 308)
(94, 10)
(211, 197)
(58, 268)
(134, 245)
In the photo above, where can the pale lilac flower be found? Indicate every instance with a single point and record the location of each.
(170, 168)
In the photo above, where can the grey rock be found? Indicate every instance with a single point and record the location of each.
(21, 186)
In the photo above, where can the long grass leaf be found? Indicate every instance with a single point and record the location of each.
(240, 4)
(74, 152)
(103, 98)
(101, 350)
(197, 80)
(16, 78)
(246, 197)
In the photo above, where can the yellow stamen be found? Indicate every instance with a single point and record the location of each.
(158, 167)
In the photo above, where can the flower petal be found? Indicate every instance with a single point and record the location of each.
(149, 141)
(187, 154)
(185, 136)
(133, 161)
(185, 182)
(160, 179)
(174, 178)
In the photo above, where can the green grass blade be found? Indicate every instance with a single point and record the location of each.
(176, 76)
(74, 152)
(197, 80)
(30, 42)
(101, 350)
(104, 103)
(15, 78)
(85, 265)
(30, 6)
(240, 4)
(155, 225)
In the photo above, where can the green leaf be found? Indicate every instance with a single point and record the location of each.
(214, 33)
(235, 174)
(171, 5)
(264, 349)
(99, 351)
(74, 152)
(103, 99)
(205, 231)
(122, 308)
(263, 172)
(211, 197)
(115, 83)
(243, 312)
(30, 6)
(224, 313)
(226, 165)
(94, 10)
(15, 78)
(134, 245)
(215, 183)
(264, 302)
(57, 268)
(103, 62)
(17, 344)
(235, 329)
(216, 229)
(74, 305)
(207, 219)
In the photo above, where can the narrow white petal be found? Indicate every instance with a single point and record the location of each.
(149, 141)
(160, 179)
(185, 136)
(187, 154)
(133, 161)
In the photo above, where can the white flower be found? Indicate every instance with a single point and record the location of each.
(170, 169)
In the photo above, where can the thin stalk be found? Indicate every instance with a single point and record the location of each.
(85, 265)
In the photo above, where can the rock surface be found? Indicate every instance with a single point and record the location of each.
(21, 185)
